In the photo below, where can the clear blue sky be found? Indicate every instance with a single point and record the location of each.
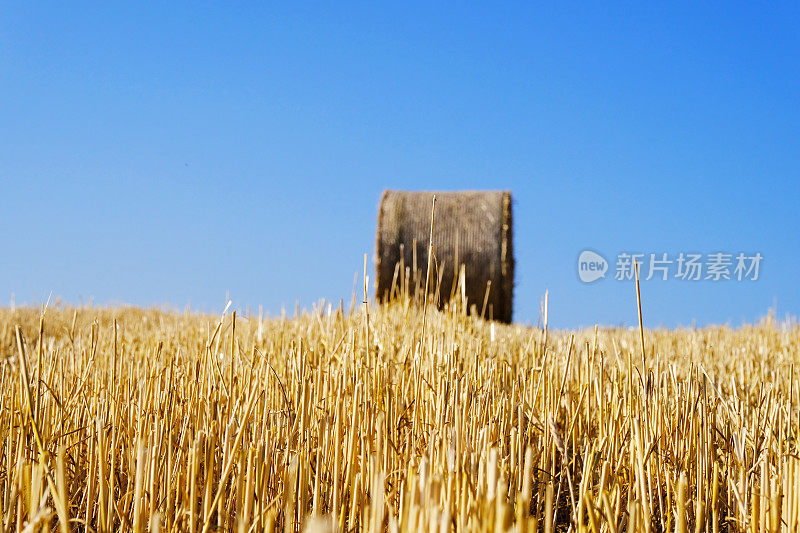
(168, 154)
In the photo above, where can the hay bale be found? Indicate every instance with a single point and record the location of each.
(472, 228)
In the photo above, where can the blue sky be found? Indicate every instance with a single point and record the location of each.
(172, 154)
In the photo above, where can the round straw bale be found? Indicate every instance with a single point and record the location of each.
(472, 229)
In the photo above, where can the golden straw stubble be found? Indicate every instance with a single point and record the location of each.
(124, 418)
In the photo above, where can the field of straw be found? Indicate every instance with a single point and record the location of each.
(128, 419)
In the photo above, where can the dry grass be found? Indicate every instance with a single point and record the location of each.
(327, 422)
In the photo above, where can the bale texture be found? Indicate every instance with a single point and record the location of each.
(472, 228)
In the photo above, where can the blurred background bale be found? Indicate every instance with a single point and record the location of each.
(473, 256)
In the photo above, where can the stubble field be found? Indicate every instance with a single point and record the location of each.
(129, 419)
